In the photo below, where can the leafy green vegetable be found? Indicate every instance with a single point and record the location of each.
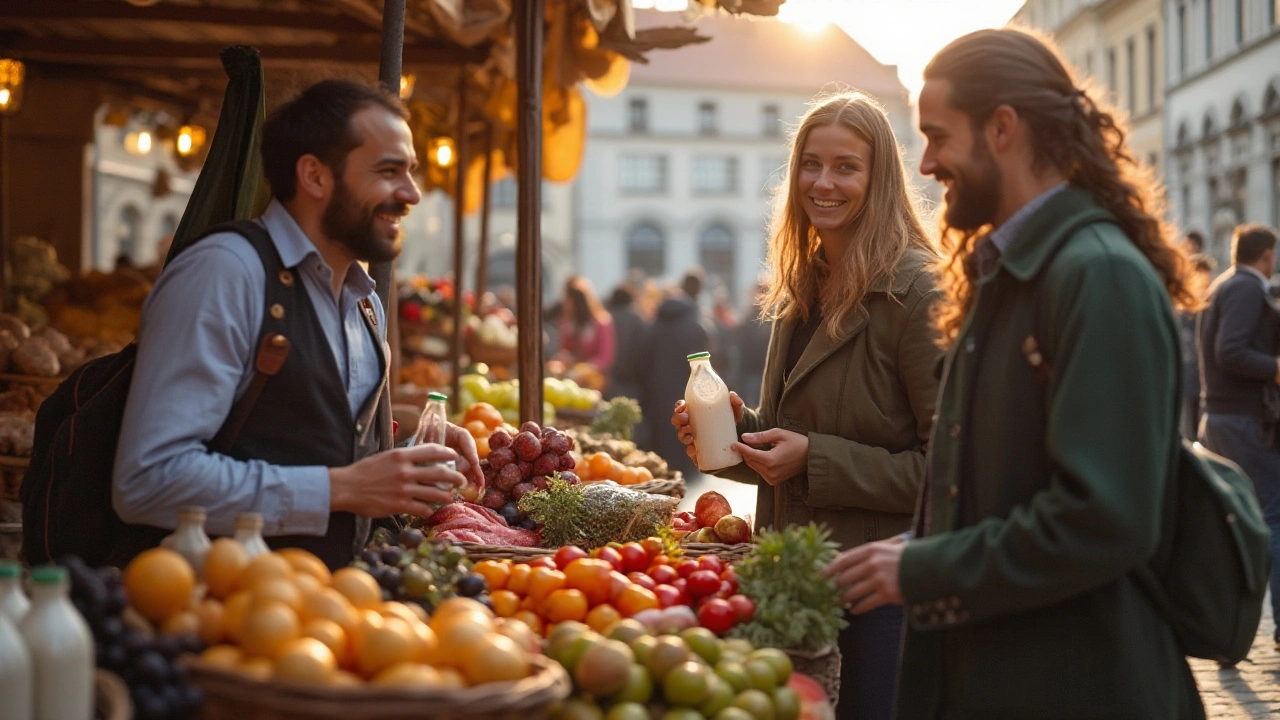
(561, 510)
(796, 607)
(596, 514)
(617, 418)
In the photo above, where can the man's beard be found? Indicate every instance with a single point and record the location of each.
(975, 190)
(347, 222)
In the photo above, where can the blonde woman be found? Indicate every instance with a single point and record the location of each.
(851, 375)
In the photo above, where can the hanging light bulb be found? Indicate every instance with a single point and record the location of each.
(406, 85)
(190, 139)
(12, 76)
(138, 142)
(441, 151)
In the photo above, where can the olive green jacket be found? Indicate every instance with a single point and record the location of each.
(865, 400)
(1056, 438)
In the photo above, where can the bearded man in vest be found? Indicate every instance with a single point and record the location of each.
(311, 455)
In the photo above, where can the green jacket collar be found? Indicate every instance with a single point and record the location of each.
(909, 267)
(1046, 231)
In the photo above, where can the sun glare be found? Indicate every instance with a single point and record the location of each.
(811, 15)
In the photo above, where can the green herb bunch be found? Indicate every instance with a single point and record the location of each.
(617, 418)
(561, 510)
(596, 514)
(796, 607)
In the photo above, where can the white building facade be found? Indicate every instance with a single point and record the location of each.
(1222, 120)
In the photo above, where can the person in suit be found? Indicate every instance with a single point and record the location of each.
(1057, 428)
(1239, 335)
(850, 379)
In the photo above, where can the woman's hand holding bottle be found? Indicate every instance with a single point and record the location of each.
(680, 419)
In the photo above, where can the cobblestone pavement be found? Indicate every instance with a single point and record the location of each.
(1250, 689)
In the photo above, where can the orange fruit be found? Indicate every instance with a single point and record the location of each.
(307, 584)
(222, 567)
(358, 587)
(603, 617)
(267, 566)
(398, 609)
(381, 642)
(451, 679)
(520, 632)
(592, 577)
(477, 429)
(304, 563)
(565, 604)
(626, 476)
(305, 659)
(505, 603)
(159, 583)
(518, 578)
(211, 614)
(482, 447)
(256, 668)
(600, 464)
(497, 658)
(489, 415)
(183, 623)
(459, 604)
(268, 627)
(635, 598)
(233, 614)
(224, 656)
(342, 678)
(428, 645)
(332, 635)
(530, 618)
(643, 475)
(494, 573)
(408, 675)
(279, 590)
(543, 582)
(329, 604)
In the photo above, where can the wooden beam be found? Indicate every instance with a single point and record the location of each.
(18, 10)
(482, 252)
(462, 157)
(369, 14)
(530, 22)
(197, 55)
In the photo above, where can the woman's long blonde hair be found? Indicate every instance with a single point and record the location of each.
(879, 235)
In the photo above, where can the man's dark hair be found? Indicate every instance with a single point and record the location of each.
(1250, 241)
(317, 122)
(622, 296)
(1196, 240)
(692, 282)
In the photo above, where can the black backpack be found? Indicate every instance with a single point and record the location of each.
(66, 492)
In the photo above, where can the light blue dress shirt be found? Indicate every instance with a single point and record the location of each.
(196, 348)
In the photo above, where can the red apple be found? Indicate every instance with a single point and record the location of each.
(733, 529)
(710, 507)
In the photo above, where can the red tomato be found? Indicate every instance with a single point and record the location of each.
(726, 590)
(668, 596)
(731, 577)
(642, 580)
(716, 615)
(617, 583)
(611, 556)
(702, 583)
(634, 558)
(743, 608)
(568, 554)
(591, 576)
(687, 567)
(652, 546)
(681, 584)
(712, 563)
(663, 574)
(633, 599)
(659, 559)
(545, 561)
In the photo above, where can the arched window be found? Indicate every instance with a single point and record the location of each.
(1184, 135)
(716, 254)
(127, 232)
(1208, 129)
(1238, 118)
(1271, 101)
(169, 224)
(646, 250)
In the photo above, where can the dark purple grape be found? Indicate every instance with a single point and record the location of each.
(192, 698)
(529, 524)
(134, 643)
(387, 576)
(393, 556)
(111, 628)
(148, 704)
(471, 585)
(116, 658)
(100, 654)
(151, 667)
(510, 512)
(191, 643)
(372, 557)
(173, 698)
(484, 600)
(411, 537)
(117, 600)
(168, 646)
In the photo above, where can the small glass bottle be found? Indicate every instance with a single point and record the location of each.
(710, 415)
(15, 673)
(433, 424)
(13, 602)
(249, 534)
(189, 539)
(61, 648)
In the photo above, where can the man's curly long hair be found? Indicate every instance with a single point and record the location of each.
(1071, 132)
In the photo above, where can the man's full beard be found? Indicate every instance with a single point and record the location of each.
(347, 222)
(976, 191)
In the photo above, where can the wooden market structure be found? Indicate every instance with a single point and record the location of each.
(500, 78)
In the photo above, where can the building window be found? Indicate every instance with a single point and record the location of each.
(1111, 73)
(1239, 22)
(1130, 81)
(1182, 39)
(707, 124)
(1208, 31)
(716, 255)
(643, 174)
(638, 115)
(715, 174)
(772, 121)
(1151, 68)
(774, 171)
(127, 234)
(646, 250)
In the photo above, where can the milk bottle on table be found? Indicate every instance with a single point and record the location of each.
(710, 415)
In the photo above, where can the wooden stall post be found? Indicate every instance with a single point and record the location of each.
(459, 236)
(383, 273)
(482, 251)
(530, 22)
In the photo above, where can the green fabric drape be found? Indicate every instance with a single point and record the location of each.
(231, 185)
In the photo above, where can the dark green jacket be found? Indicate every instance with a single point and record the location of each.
(1045, 490)
(865, 399)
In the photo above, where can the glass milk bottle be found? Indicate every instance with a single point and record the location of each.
(710, 415)
(189, 539)
(249, 534)
(15, 673)
(13, 602)
(433, 424)
(61, 648)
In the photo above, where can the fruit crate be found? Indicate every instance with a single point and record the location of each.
(231, 696)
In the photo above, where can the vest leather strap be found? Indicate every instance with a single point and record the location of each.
(272, 352)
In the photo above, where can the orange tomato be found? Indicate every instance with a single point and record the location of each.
(591, 576)
(660, 559)
(603, 617)
(530, 618)
(505, 603)
(634, 599)
(543, 582)
(545, 561)
(518, 578)
(600, 464)
(494, 573)
(653, 546)
(566, 604)
(617, 583)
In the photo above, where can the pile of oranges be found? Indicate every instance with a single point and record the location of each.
(480, 420)
(284, 616)
(602, 466)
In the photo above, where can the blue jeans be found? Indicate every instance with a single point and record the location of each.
(869, 650)
(1242, 440)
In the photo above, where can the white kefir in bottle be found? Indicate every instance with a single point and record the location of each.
(189, 539)
(249, 534)
(61, 648)
(13, 602)
(15, 673)
(710, 415)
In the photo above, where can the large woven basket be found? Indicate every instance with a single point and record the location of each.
(230, 696)
(821, 665)
(673, 486)
(489, 354)
(728, 553)
(477, 552)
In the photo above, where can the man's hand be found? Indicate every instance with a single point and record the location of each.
(680, 419)
(465, 445)
(868, 574)
(786, 459)
(395, 481)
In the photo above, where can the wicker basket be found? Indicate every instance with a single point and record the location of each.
(229, 696)
(490, 354)
(111, 696)
(673, 486)
(728, 553)
(821, 665)
(477, 552)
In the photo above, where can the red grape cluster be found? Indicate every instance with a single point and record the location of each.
(523, 464)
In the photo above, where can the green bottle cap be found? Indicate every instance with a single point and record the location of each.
(437, 396)
(699, 356)
(10, 569)
(48, 574)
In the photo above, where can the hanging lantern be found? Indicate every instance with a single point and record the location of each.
(442, 152)
(406, 85)
(138, 142)
(189, 140)
(12, 76)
